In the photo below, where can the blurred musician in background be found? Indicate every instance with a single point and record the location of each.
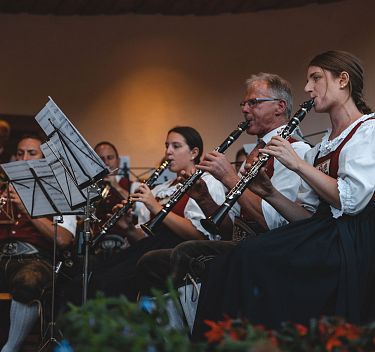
(26, 250)
(118, 179)
(240, 158)
(116, 189)
(4, 137)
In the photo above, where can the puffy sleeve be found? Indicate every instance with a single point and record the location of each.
(307, 197)
(194, 213)
(356, 180)
(69, 223)
(287, 182)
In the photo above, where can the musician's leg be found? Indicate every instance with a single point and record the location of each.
(192, 256)
(28, 279)
(22, 319)
(153, 270)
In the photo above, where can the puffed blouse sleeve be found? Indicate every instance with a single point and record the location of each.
(356, 180)
(192, 210)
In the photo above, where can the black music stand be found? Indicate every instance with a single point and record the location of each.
(79, 160)
(41, 196)
(62, 183)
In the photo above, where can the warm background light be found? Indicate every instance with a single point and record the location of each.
(128, 79)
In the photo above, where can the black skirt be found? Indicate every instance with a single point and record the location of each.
(314, 267)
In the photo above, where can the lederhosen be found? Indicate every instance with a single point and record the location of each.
(24, 252)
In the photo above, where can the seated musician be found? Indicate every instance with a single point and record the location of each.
(268, 106)
(26, 250)
(116, 188)
(183, 148)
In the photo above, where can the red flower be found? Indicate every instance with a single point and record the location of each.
(274, 340)
(322, 328)
(301, 329)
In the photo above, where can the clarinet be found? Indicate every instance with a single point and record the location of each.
(122, 211)
(153, 223)
(212, 223)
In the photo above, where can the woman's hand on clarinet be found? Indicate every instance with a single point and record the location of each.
(281, 149)
(143, 194)
(126, 221)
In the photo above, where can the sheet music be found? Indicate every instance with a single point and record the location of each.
(36, 185)
(73, 194)
(83, 163)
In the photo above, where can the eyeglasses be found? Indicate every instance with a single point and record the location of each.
(255, 101)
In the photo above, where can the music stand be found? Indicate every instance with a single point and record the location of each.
(62, 183)
(79, 161)
(41, 196)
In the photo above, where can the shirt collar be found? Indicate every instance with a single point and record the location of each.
(327, 145)
(267, 137)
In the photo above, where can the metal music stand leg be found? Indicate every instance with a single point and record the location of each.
(51, 325)
(87, 235)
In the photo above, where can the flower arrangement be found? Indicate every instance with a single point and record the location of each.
(329, 334)
(115, 325)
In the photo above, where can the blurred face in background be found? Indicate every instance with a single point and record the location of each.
(108, 155)
(29, 149)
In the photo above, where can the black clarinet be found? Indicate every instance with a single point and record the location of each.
(212, 223)
(152, 224)
(122, 211)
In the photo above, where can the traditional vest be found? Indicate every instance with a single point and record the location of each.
(23, 230)
(329, 164)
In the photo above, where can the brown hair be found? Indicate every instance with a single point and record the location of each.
(192, 137)
(339, 61)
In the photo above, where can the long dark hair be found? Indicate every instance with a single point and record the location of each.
(336, 62)
(192, 138)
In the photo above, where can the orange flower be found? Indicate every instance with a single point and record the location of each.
(216, 333)
(226, 324)
(349, 331)
(332, 343)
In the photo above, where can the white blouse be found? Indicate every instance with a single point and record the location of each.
(356, 168)
(192, 211)
(286, 181)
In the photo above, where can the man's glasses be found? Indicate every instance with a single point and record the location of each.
(255, 101)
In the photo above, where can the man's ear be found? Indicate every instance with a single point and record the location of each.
(281, 108)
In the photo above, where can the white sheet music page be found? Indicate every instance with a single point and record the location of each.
(37, 187)
(78, 155)
(74, 196)
(24, 183)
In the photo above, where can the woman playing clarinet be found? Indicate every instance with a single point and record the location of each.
(323, 261)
